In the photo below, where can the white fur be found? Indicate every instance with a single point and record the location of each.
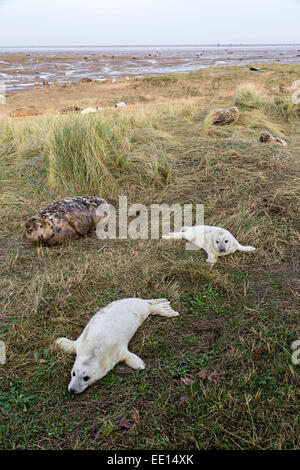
(216, 241)
(91, 109)
(104, 341)
(121, 105)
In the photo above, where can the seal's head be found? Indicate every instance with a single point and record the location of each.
(37, 230)
(84, 374)
(265, 137)
(221, 243)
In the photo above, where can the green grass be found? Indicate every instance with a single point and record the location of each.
(238, 320)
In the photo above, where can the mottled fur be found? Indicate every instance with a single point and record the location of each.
(226, 116)
(266, 137)
(67, 219)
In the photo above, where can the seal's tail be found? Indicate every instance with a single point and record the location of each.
(161, 307)
(66, 345)
(187, 233)
(173, 236)
(246, 248)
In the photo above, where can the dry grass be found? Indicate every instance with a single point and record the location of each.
(240, 318)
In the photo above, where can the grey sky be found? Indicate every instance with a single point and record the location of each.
(117, 22)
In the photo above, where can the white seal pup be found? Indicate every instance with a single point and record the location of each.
(121, 105)
(91, 109)
(104, 341)
(216, 241)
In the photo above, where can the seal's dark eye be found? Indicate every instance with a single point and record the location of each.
(86, 378)
(226, 241)
(31, 230)
(217, 241)
(41, 226)
(73, 374)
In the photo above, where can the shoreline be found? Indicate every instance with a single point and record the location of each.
(53, 98)
(21, 70)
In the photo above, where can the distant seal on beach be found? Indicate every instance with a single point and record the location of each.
(91, 109)
(216, 241)
(225, 116)
(121, 105)
(67, 219)
(26, 111)
(104, 341)
(70, 109)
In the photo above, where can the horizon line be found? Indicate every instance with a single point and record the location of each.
(154, 45)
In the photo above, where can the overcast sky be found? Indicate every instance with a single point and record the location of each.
(124, 22)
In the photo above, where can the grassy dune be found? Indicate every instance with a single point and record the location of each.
(238, 320)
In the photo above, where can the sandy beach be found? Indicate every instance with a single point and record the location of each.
(86, 92)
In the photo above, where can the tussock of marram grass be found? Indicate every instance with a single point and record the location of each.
(18, 135)
(259, 122)
(95, 153)
(82, 152)
(191, 111)
(286, 109)
(252, 96)
(140, 118)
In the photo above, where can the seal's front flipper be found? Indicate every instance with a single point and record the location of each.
(212, 259)
(66, 345)
(134, 361)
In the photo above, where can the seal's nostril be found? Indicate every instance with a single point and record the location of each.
(71, 390)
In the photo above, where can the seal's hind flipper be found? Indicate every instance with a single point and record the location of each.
(161, 307)
(173, 236)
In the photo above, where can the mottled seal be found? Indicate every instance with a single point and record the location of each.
(266, 137)
(225, 116)
(104, 341)
(216, 241)
(67, 219)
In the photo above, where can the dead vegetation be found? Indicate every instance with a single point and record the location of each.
(220, 376)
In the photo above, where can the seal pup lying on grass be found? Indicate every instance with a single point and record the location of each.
(216, 241)
(104, 341)
(66, 219)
